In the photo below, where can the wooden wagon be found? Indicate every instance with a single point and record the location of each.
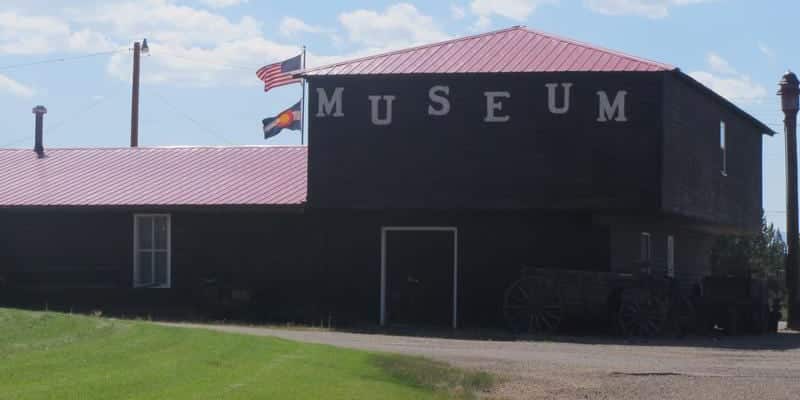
(636, 304)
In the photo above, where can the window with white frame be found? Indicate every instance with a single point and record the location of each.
(723, 148)
(151, 250)
(645, 253)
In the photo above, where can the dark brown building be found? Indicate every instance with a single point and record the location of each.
(433, 175)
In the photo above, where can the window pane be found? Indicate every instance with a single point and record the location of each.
(670, 256)
(144, 270)
(161, 268)
(644, 243)
(145, 232)
(160, 226)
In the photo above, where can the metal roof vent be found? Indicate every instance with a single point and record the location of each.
(38, 147)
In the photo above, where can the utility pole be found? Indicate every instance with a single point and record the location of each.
(138, 49)
(789, 92)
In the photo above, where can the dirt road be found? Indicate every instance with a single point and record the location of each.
(599, 368)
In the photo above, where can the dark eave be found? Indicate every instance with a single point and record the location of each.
(687, 78)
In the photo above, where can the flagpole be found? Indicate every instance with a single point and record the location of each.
(303, 104)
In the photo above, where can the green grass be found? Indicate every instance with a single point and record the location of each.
(45, 355)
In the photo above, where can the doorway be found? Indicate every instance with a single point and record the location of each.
(419, 276)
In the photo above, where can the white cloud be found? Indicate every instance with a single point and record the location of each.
(291, 26)
(399, 25)
(766, 50)
(518, 10)
(644, 8)
(11, 86)
(28, 35)
(457, 12)
(164, 21)
(729, 83)
(86, 40)
(482, 23)
(22, 34)
(188, 46)
(223, 3)
(193, 46)
(231, 62)
(719, 64)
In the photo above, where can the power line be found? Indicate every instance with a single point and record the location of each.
(72, 116)
(204, 62)
(205, 127)
(86, 107)
(62, 59)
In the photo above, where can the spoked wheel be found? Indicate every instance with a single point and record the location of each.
(683, 316)
(533, 305)
(641, 313)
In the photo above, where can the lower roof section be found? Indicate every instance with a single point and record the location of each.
(154, 177)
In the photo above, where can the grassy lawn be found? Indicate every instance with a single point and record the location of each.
(46, 355)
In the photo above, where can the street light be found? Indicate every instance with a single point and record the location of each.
(789, 92)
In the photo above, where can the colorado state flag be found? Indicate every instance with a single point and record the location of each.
(287, 119)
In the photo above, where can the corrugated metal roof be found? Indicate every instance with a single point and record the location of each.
(516, 49)
(154, 176)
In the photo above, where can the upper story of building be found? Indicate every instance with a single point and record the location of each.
(518, 119)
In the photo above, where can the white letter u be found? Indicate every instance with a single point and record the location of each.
(551, 98)
(375, 109)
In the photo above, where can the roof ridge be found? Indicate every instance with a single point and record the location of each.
(176, 147)
(629, 62)
(600, 48)
(412, 48)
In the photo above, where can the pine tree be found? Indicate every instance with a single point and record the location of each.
(761, 256)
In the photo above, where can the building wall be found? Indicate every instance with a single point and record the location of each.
(691, 251)
(692, 183)
(493, 248)
(301, 267)
(91, 249)
(86, 257)
(535, 160)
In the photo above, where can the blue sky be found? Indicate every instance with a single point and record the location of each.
(199, 85)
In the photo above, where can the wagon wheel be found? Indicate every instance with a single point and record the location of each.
(641, 313)
(732, 321)
(533, 305)
(683, 316)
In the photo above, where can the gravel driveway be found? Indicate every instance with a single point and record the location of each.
(765, 367)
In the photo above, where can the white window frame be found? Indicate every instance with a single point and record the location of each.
(385, 230)
(137, 250)
(645, 247)
(723, 146)
(671, 256)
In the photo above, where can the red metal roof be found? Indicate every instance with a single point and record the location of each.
(516, 49)
(155, 176)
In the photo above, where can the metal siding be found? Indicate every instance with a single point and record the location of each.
(186, 176)
(692, 182)
(537, 160)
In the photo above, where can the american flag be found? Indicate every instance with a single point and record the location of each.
(280, 73)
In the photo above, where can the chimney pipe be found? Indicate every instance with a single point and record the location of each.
(38, 147)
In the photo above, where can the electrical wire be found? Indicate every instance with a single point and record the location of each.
(61, 59)
(88, 106)
(72, 116)
(185, 115)
(204, 62)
